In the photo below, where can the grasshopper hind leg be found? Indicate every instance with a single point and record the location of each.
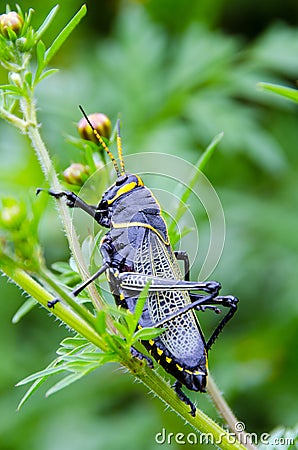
(183, 397)
(139, 355)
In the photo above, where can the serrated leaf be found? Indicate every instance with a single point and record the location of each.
(26, 307)
(63, 35)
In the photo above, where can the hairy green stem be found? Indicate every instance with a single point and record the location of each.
(26, 282)
(227, 414)
(11, 118)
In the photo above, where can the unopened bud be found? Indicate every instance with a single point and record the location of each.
(76, 174)
(100, 122)
(16, 79)
(11, 21)
(11, 216)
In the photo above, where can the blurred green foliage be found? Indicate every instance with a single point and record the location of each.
(177, 79)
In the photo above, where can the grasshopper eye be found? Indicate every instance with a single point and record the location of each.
(120, 180)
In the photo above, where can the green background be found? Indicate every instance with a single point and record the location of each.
(179, 74)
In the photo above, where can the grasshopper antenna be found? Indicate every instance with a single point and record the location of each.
(102, 143)
(119, 147)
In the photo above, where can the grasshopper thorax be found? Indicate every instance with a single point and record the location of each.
(124, 185)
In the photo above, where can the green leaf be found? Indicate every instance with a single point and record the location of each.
(208, 152)
(117, 311)
(61, 267)
(26, 307)
(141, 303)
(63, 35)
(67, 381)
(40, 55)
(67, 353)
(48, 73)
(31, 391)
(74, 342)
(76, 364)
(11, 88)
(176, 236)
(284, 91)
(28, 78)
(67, 275)
(147, 333)
(99, 358)
(101, 322)
(42, 374)
(46, 23)
(28, 17)
(89, 158)
(122, 329)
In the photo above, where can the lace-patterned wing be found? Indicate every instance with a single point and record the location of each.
(183, 337)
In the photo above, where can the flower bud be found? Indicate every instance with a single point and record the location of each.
(11, 215)
(11, 21)
(101, 123)
(16, 79)
(76, 174)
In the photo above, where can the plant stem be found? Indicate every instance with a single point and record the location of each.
(26, 282)
(15, 120)
(227, 414)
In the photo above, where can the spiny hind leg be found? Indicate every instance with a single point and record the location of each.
(183, 397)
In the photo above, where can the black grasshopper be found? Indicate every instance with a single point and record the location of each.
(136, 249)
